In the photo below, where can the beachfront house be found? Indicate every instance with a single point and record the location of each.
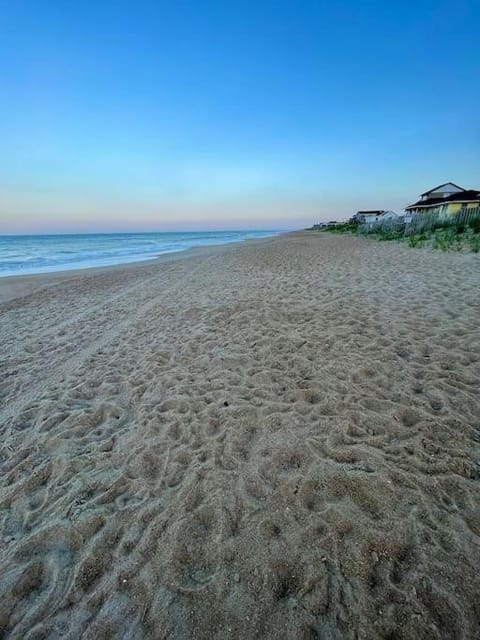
(369, 217)
(390, 215)
(447, 199)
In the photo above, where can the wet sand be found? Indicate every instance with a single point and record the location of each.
(278, 439)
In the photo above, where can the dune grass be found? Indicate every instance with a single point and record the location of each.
(444, 235)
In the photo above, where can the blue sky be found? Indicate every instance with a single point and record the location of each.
(188, 115)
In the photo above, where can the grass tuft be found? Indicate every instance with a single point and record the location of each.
(451, 234)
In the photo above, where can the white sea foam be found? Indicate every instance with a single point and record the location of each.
(45, 253)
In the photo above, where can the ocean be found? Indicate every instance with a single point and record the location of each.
(22, 255)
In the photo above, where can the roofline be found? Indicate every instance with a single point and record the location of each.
(436, 204)
(442, 185)
(370, 212)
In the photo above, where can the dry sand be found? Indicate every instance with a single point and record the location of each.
(270, 440)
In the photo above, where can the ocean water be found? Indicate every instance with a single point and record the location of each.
(22, 255)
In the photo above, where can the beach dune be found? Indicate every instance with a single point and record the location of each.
(278, 439)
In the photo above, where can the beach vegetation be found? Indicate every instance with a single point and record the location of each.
(474, 224)
(444, 234)
(389, 235)
(414, 241)
(475, 243)
(345, 227)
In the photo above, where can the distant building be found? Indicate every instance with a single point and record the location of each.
(325, 225)
(390, 215)
(368, 217)
(446, 199)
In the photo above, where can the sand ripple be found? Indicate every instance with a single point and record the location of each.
(276, 440)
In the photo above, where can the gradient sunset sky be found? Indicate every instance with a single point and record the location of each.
(125, 116)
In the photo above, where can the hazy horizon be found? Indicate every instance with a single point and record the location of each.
(157, 117)
(140, 232)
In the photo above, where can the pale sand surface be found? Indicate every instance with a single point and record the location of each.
(270, 440)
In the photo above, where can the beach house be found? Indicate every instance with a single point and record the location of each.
(369, 217)
(446, 199)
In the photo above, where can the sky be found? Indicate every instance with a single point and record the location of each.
(261, 114)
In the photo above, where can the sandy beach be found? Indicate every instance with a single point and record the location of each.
(276, 439)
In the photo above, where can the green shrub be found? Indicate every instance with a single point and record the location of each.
(413, 241)
(388, 235)
(474, 224)
(347, 227)
(475, 244)
(441, 242)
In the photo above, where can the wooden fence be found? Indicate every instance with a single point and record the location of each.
(421, 222)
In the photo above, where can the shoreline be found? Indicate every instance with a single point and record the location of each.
(130, 259)
(13, 286)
